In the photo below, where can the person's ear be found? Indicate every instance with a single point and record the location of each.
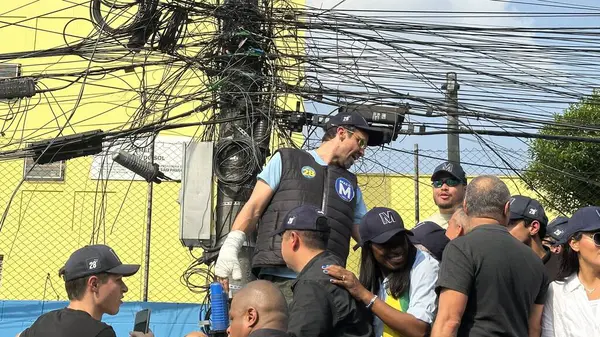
(507, 210)
(534, 228)
(341, 133)
(295, 240)
(574, 244)
(251, 317)
(464, 204)
(93, 283)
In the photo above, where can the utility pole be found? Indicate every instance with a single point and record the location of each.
(242, 145)
(451, 86)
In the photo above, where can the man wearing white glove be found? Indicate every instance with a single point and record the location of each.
(294, 177)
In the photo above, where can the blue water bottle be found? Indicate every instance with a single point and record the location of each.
(219, 316)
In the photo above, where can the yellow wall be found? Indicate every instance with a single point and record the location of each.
(49, 220)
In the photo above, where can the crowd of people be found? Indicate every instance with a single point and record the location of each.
(486, 264)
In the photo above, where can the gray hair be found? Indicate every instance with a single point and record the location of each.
(486, 197)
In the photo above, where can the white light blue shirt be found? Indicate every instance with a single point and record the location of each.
(422, 297)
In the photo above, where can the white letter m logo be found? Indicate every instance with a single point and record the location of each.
(346, 191)
(387, 217)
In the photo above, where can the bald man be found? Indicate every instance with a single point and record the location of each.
(458, 224)
(258, 310)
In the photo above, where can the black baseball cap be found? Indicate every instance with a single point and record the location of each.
(431, 236)
(379, 225)
(359, 122)
(96, 259)
(454, 169)
(522, 207)
(586, 219)
(304, 218)
(557, 227)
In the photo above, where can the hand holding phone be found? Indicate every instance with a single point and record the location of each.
(142, 321)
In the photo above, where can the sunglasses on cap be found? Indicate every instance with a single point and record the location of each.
(451, 182)
(595, 237)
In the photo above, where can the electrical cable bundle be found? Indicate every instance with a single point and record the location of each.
(146, 10)
(235, 160)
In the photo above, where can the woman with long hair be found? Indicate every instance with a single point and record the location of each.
(397, 281)
(572, 307)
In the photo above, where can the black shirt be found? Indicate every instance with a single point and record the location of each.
(322, 309)
(502, 277)
(268, 333)
(552, 264)
(68, 323)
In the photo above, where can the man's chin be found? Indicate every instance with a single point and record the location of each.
(445, 205)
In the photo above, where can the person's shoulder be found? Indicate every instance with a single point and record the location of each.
(316, 288)
(108, 331)
(562, 284)
(331, 258)
(424, 260)
(49, 318)
(461, 242)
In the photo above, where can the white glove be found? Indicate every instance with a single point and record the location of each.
(227, 262)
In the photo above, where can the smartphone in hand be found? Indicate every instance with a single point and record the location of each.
(142, 321)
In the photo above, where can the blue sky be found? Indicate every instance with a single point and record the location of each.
(438, 142)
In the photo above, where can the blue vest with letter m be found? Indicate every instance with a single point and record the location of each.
(303, 181)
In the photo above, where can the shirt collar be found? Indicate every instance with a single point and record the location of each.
(490, 227)
(308, 266)
(267, 333)
(572, 283)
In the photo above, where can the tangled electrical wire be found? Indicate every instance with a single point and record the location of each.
(235, 70)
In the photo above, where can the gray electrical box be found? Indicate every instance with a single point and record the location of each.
(195, 197)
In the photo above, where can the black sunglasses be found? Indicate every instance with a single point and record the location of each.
(451, 182)
(595, 237)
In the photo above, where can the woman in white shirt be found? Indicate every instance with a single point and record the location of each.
(572, 307)
(397, 280)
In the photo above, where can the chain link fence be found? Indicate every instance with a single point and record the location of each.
(61, 207)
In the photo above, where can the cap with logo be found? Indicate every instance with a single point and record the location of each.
(454, 169)
(379, 225)
(96, 259)
(304, 218)
(359, 122)
(522, 207)
(556, 228)
(586, 219)
(431, 236)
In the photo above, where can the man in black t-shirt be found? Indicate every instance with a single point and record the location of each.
(528, 223)
(490, 284)
(94, 282)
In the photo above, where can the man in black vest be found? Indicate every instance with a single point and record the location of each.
(295, 177)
